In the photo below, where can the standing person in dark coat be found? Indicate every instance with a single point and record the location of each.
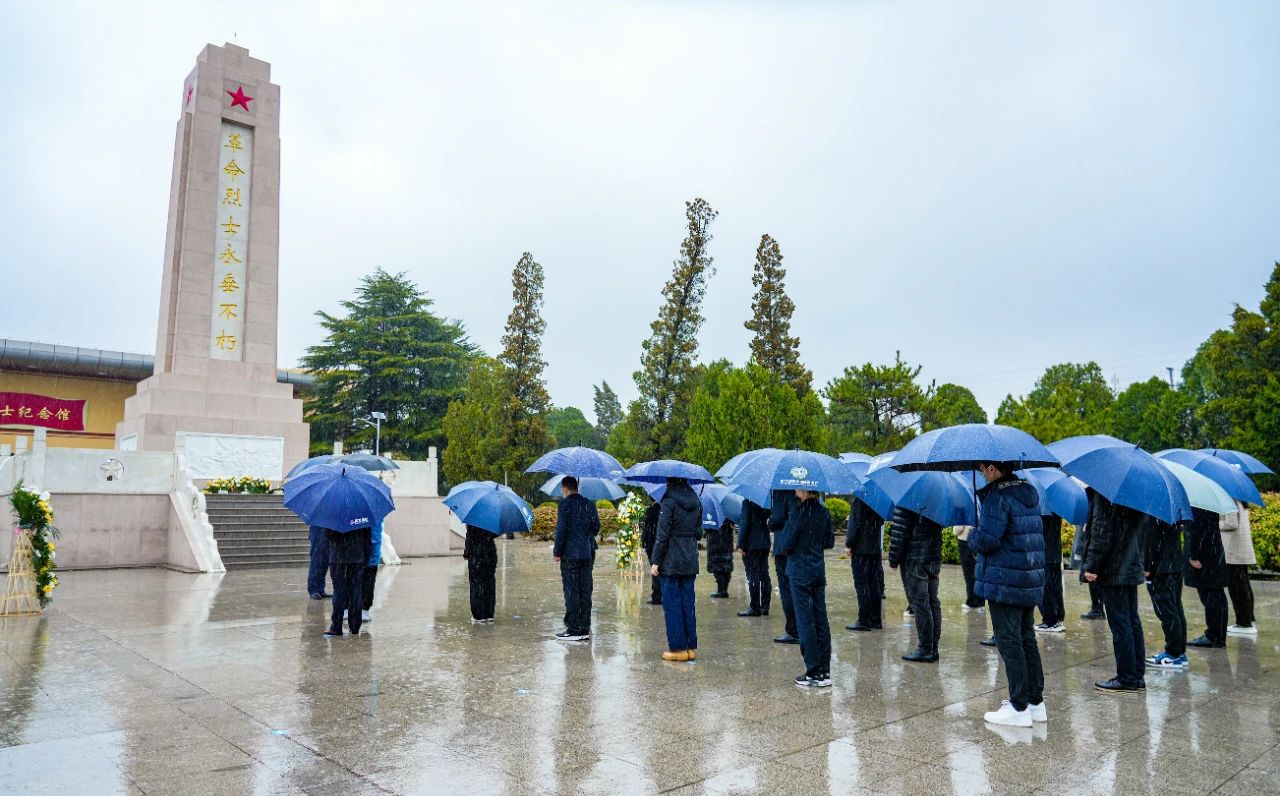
(1162, 552)
(1113, 560)
(1206, 572)
(916, 546)
(319, 564)
(802, 541)
(864, 539)
(577, 523)
(371, 571)
(720, 557)
(675, 558)
(968, 566)
(348, 557)
(1053, 607)
(481, 552)
(649, 535)
(753, 543)
(783, 502)
(1009, 540)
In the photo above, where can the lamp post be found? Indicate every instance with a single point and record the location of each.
(378, 417)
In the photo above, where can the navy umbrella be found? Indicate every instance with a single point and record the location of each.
(761, 496)
(339, 497)
(1247, 464)
(314, 461)
(578, 462)
(1126, 475)
(942, 497)
(719, 502)
(657, 472)
(589, 488)
(492, 507)
(796, 469)
(966, 446)
(1059, 494)
(1233, 480)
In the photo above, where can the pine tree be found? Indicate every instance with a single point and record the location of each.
(875, 408)
(474, 428)
(608, 411)
(773, 347)
(527, 401)
(392, 354)
(668, 367)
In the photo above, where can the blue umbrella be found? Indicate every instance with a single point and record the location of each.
(492, 507)
(876, 498)
(731, 502)
(942, 497)
(657, 472)
(761, 496)
(964, 447)
(1075, 447)
(314, 461)
(463, 486)
(731, 466)
(858, 463)
(368, 461)
(1247, 464)
(589, 488)
(578, 462)
(339, 497)
(796, 469)
(1059, 494)
(1233, 480)
(1126, 475)
(718, 502)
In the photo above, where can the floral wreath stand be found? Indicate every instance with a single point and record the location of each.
(20, 586)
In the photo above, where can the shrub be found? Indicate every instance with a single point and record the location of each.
(839, 509)
(950, 546)
(608, 523)
(1265, 525)
(1068, 538)
(544, 523)
(548, 504)
(604, 504)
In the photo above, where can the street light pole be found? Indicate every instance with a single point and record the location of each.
(378, 417)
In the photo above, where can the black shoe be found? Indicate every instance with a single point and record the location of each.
(1206, 643)
(786, 638)
(750, 612)
(655, 602)
(988, 642)
(719, 595)
(858, 626)
(331, 633)
(321, 596)
(571, 636)
(1093, 615)
(920, 656)
(764, 611)
(1114, 686)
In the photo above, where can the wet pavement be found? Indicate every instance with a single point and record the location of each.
(156, 682)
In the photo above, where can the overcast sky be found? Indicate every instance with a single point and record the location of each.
(990, 188)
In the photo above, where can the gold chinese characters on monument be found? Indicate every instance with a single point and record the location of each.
(231, 242)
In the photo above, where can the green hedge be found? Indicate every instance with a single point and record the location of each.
(544, 523)
(839, 509)
(1264, 523)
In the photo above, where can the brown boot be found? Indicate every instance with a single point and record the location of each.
(679, 657)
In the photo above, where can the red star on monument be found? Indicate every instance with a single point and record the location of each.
(238, 97)
(187, 100)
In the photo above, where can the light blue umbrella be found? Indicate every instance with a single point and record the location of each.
(657, 472)
(1248, 465)
(1125, 475)
(756, 494)
(1202, 491)
(858, 463)
(942, 497)
(1231, 478)
(589, 488)
(796, 469)
(314, 461)
(578, 462)
(340, 497)
(730, 467)
(966, 446)
(1059, 494)
(492, 507)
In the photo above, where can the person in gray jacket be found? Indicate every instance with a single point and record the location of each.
(675, 560)
(1237, 543)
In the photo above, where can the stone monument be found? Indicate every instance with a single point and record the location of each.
(214, 393)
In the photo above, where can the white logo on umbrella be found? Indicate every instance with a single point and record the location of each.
(799, 473)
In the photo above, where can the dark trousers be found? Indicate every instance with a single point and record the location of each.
(484, 592)
(678, 609)
(921, 582)
(655, 585)
(1095, 598)
(868, 582)
(969, 565)
(1053, 608)
(319, 561)
(575, 575)
(1166, 599)
(348, 585)
(1215, 613)
(370, 578)
(1241, 592)
(756, 563)
(1016, 641)
(722, 581)
(809, 598)
(1121, 605)
(784, 591)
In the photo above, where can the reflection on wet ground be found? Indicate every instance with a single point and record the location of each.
(149, 681)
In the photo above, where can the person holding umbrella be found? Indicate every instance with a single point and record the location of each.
(577, 524)
(649, 535)
(916, 546)
(1113, 560)
(371, 571)
(1053, 607)
(783, 503)
(675, 559)
(802, 541)
(1206, 572)
(720, 556)
(489, 510)
(1237, 543)
(1162, 548)
(753, 543)
(864, 539)
(481, 552)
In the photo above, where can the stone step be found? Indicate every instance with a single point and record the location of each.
(258, 522)
(255, 530)
(258, 561)
(264, 552)
(241, 539)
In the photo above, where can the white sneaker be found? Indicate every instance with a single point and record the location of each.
(1241, 630)
(1038, 712)
(1054, 628)
(365, 616)
(965, 608)
(1008, 717)
(908, 615)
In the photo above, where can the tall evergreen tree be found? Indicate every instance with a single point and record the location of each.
(527, 401)
(656, 421)
(389, 353)
(1068, 400)
(476, 450)
(569, 427)
(875, 408)
(951, 405)
(773, 347)
(608, 411)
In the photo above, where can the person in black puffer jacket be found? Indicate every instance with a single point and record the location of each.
(802, 540)
(720, 556)
(675, 559)
(753, 543)
(864, 539)
(1162, 552)
(1206, 572)
(649, 535)
(916, 546)
(1113, 560)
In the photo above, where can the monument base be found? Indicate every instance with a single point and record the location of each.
(227, 425)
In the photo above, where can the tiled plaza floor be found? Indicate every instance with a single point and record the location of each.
(150, 681)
